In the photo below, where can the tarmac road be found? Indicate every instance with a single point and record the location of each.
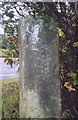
(6, 71)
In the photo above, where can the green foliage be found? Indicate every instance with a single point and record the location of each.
(68, 62)
(75, 44)
(9, 29)
(72, 75)
(75, 82)
(12, 50)
(3, 52)
(61, 33)
(10, 14)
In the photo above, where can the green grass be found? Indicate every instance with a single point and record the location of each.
(10, 98)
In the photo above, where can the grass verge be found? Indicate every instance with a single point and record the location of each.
(10, 98)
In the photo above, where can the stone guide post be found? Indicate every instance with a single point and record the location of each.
(39, 64)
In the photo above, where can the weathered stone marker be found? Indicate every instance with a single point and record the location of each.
(39, 76)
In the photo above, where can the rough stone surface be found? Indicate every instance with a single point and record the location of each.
(39, 76)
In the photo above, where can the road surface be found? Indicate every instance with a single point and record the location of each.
(6, 71)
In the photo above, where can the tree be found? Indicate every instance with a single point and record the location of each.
(66, 16)
(10, 25)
